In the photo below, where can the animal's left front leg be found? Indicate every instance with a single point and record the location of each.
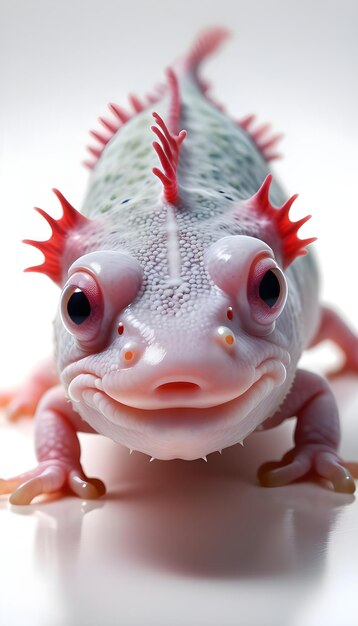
(316, 437)
(334, 328)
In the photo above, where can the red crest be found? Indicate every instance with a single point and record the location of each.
(53, 248)
(291, 245)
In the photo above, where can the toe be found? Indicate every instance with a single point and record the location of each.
(328, 466)
(86, 488)
(284, 474)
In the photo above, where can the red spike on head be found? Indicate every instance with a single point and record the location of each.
(175, 105)
(53, 248)
(291, 246)
(168, 151)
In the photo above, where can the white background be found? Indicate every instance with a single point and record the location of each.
(292, 63)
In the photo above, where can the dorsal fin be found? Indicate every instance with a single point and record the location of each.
(205, 44)
(261, 136)
(53, 248)
(120, 116)
(291, 246)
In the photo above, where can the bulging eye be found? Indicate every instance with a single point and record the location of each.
(266, 292)
(270, 288)
(78, 307)
(82, 307)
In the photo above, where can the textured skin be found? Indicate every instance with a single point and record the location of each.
(177, 362)
(219, 166)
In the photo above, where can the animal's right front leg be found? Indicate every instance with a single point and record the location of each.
(23, 400)
(58, 452)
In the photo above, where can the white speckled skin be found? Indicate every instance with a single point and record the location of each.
(185, 392)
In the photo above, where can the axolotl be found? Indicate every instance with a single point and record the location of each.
(187, 298)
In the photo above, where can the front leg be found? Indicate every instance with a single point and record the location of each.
(22, 401)
(316, 437)
(58, 452)
(334, 328)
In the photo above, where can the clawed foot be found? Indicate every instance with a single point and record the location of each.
(48, 477)
(299, 462)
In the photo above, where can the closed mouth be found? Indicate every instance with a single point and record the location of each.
(115, 411)
(88, 389)
(178, 431)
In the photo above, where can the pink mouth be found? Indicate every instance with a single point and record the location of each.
(174, 393)
(177, 387)
(188, 432)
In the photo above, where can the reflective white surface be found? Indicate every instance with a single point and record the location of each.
(174, 542)
(182, 543)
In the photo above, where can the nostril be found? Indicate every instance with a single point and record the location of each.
(129, 354)
(178, 386)
(225, 337)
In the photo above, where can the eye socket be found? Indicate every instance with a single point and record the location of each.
(270, 288)
(82, 307)
(245, 269)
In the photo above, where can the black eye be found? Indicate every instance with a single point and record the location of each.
(78, 307)
(269, 289)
